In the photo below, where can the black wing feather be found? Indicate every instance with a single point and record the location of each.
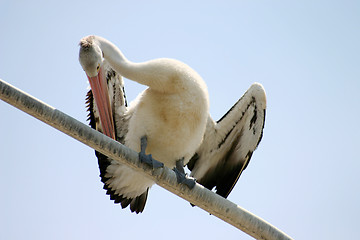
(136, 204)
(229, 143)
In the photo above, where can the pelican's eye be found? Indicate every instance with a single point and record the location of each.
(98, 68)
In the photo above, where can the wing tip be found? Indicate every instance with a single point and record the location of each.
(259, 93)
(136, 204)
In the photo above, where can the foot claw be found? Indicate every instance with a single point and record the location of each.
(148, 158)
(184, 178)
(150, 161)
(190, 182)
(157, 164)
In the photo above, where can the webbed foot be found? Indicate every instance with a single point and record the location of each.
(181, 176)
(148, 158)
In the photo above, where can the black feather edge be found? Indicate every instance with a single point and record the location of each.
(136, 204)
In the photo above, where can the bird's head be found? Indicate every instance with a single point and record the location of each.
(90, 56)
(91, 60)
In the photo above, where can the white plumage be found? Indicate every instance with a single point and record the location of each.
(172, 114)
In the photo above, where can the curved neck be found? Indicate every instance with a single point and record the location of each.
(113, 55)
(156, 74)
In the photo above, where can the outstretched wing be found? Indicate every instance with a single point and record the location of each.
(229, 143)
(121, 118)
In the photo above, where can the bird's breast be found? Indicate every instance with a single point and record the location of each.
(174, 126)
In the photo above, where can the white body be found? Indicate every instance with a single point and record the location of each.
(173, 117)
(172, 112)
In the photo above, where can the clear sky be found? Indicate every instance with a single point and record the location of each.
(304, 178)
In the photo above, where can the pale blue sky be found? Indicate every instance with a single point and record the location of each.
(304, 176)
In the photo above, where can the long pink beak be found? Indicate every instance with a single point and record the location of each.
(100, 92)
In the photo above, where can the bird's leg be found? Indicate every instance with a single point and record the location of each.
(181, 176)
(148, 158)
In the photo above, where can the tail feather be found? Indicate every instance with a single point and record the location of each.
(137, 204)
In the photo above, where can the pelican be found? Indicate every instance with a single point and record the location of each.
(165, 122)
(229, 143)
